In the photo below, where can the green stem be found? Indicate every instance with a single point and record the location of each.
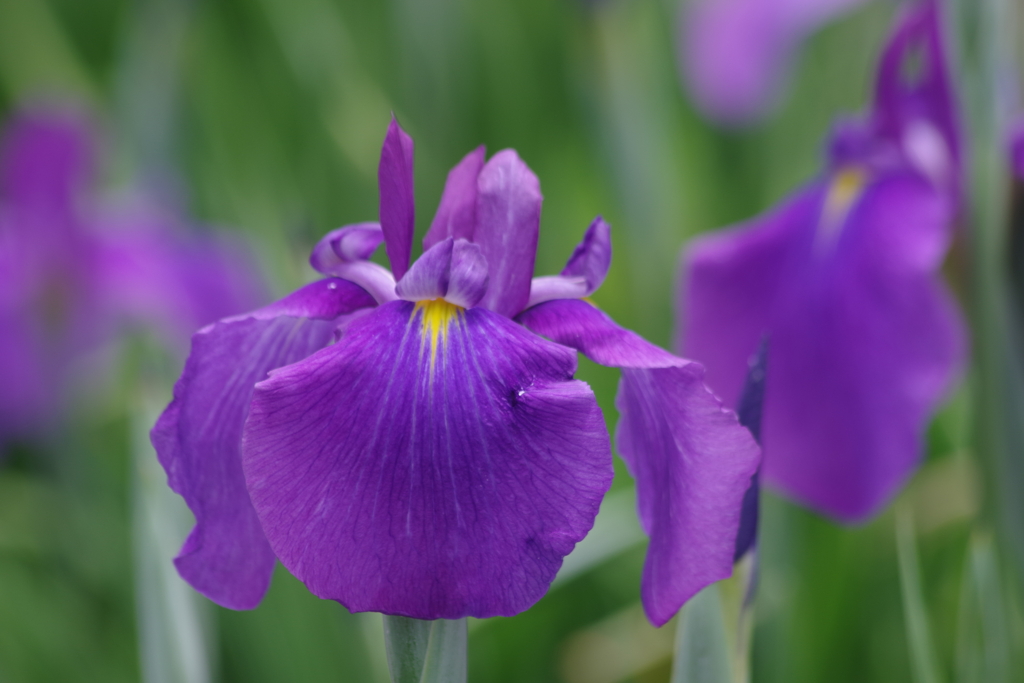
(425, 651)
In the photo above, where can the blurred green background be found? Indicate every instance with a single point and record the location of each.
(268, 115)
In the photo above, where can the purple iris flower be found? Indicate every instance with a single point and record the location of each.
(735, 54)
(73, 270)
(843, 279)
(418, 448)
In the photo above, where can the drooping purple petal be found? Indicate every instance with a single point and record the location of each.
(343, 253)
(735, 54)
(397, 201)
(433, 463)
(508, 221)
(865, 340)
(428, 276)
(585, 271)
(456, 214)
(692, 460)
(198, 437)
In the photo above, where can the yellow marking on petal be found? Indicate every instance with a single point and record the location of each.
(436, 317)
(843, 192)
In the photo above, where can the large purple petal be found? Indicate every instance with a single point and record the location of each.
(732, 279)
(863, 350)
(397, 202)
(692, 460)
(456, 214)
(433, 463)
(864, 339)
(508, 221)
(583, 274)
(198, 437)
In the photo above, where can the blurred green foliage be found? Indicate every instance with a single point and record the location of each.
(279, 109)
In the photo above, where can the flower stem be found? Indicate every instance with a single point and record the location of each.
(425, 651)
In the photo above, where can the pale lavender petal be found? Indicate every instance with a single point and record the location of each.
(585, 271)
(198, 437)
(692, 460)
(508, 221)
(397, 202)
(456, 214)
(428, 277)
(432, 472)
(469, 277)
(735, 54)
(346, 244)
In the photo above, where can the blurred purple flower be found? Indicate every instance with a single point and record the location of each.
(735, 54)
(438, 459)
(843, 278)
(71, 271)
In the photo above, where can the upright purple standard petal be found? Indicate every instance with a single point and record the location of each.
(508, 221)
(585, 271)
(46, 160)
(456, 214)
(435, 463)
(864, 339)
(198, 437)
(692, 460)
(914, 100)
(397, 203)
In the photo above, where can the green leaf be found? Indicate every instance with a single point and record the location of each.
(425, 651)
(922, 652)
(983, 646)
(703, 652)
